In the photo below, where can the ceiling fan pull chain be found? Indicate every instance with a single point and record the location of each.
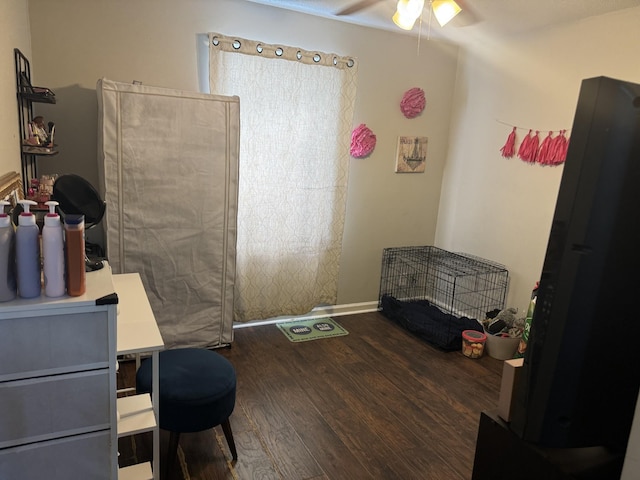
(429, 25)
(419, 35)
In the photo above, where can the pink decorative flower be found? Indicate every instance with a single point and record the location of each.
(363, 141)
(413, 102)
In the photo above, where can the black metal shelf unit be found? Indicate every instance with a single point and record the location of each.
(27, 95)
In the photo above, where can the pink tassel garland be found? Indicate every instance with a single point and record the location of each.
(524, 146)
(559, 153)
(545, 152)
(565, 147)
(533, 147)
(530, 152)
(555, 148)
(551, 151)
(508, 150)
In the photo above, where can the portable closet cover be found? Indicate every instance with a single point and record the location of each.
(169, 176)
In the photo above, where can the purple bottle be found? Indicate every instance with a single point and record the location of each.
(7, 256)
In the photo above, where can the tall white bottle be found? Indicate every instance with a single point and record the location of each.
(28, 252)
(7, 256)
(53, 253)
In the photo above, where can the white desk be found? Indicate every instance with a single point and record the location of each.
(137, 332)
(137, 328)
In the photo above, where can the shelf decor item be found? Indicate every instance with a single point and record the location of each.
(413, 102)
(363, 141)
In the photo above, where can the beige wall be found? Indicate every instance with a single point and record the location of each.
(154, 41)
(492, 207)
(14, 25)
(502, 208)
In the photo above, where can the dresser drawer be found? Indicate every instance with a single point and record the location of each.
(42, 345)
(48, 407)
(79, 457)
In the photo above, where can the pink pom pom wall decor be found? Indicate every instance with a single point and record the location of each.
(363, 141)
(413, 102)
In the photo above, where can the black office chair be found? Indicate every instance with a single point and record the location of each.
(76, 196)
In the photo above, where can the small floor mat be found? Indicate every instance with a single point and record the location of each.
(312, 329)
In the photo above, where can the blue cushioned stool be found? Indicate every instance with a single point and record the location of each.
(197, 391)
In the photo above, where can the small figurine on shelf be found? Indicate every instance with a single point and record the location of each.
(52, 131)
(39, 140)
(31, 139)
(33, 192)
(39, 130)
(45, 190)
(41, 189)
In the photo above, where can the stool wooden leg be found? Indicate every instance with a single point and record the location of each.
(226, 428)
(172, 453)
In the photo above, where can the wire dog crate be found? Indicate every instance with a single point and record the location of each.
(459, 284)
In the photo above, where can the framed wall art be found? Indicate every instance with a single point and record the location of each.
(411, 155)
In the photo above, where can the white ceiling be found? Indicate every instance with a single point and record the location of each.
(504, 17)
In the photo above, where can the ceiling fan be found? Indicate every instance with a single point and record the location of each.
(408, 11)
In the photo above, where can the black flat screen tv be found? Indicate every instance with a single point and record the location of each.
(581, 375)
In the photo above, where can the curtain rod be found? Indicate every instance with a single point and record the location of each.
(257, 48)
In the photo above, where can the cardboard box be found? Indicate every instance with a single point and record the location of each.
(510, 374)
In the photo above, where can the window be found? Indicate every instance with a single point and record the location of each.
(296, 110)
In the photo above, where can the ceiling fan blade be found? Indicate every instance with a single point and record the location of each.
(356, 7)
(468, 16)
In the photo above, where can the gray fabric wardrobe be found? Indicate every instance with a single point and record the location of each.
(168, 165)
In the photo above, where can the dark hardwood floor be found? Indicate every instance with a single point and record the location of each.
(378, 403)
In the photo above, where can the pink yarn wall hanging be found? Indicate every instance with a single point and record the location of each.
(363, 141)
(413, 102)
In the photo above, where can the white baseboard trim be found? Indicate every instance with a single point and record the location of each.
(318, 312)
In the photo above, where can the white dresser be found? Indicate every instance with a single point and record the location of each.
(58, 384)
(58, 402)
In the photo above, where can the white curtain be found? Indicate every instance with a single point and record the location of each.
(296, 112)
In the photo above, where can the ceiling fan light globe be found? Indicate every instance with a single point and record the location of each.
(414, 8)
(407, 13)
(403, 21)
(445, 10)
